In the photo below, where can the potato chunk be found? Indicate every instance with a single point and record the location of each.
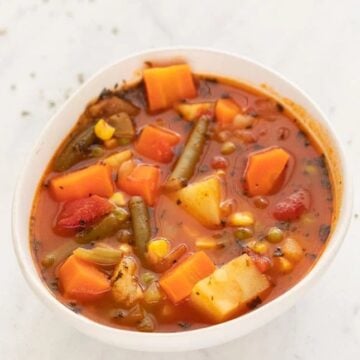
(192, 112)
(202, 200)
(228, 290)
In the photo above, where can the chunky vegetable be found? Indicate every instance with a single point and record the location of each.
(82, 281)
(292, 207)
(140, 180)
(166, 85)
(92, 180)
(117, 159)
(125, 287)
(101, 255)
(225, 111)
(292, 250)
(79, 214)
(106, 227)
(264, 169)
(192, 112)
(178, 282)
(75, 150)
(157, 143)
(202, 200)
(110, 106)
(124, 127)
(229, 289)
(103, 130)
(55, 257)
(140, 224)
(186, 163)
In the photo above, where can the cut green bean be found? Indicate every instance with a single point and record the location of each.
(140, 224)
(106, 227)
(100, 255)
(186, 163)
(54, 257)
(75, 150)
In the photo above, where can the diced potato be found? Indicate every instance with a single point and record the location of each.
(228, 290)
(202, 200)
(292, 250)
(241, 218)
(192, 112)
(118, 198)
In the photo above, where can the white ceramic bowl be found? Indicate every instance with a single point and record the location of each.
(201, 61)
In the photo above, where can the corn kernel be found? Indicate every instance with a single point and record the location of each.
(158, 248)
(228, 148)
(241, 218)
(103, 130)
(283, 265)
(118, 198)
(260, 247)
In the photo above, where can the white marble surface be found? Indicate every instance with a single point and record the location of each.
(48, 47)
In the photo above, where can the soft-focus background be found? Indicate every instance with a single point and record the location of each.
(48, 48)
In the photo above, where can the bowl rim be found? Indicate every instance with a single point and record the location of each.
(161, 341)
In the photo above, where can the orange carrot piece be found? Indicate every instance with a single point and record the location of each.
(142, 180)
(93, 180)
(264, 169)
(179, 281)
(82, 281)
(166, 85)
(156, 143)
(225, 111)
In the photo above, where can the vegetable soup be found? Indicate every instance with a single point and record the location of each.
(179, 202)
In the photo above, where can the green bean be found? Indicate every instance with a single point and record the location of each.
(108, 226)
(140, 224)
(75, 150)
(100, 255)
(186, 163)
(54, 257)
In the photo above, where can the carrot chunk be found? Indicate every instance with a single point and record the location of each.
(225, 111)
(93, 180)
(142, 180)
(264, 169)
(82, 281)
(166, 85)
(179, 281)
(156, 143)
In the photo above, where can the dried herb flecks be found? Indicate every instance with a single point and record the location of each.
(324, 232)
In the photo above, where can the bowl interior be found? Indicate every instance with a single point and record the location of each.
(201, 61)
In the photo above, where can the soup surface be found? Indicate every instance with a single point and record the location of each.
(180, 202)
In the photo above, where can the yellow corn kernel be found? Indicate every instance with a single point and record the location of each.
(158, 248)
(260, 247)
(220, 173)
(283, 265)
(111, 143)
(241, 218)
(118, 198)
(103, 130)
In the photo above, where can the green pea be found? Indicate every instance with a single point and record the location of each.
(243, 233)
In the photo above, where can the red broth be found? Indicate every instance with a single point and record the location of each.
(272, 126)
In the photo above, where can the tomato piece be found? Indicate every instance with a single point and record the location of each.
(292, 207)
(78, 214)
(262, 262)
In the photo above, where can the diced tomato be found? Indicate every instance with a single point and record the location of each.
(292, 207)
(79, 214)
